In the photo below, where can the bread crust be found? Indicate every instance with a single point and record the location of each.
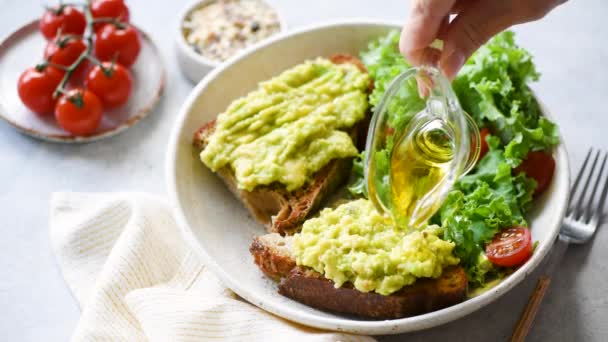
(272, 254)
(425, 295)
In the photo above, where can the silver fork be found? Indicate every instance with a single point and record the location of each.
(582, 220)
(580, 223)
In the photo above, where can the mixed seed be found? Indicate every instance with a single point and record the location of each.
(219, 29)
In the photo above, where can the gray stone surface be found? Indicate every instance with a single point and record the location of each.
(570, 50)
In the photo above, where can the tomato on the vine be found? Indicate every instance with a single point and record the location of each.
(111, 82)
(36, 87)
(117, 41)
(66, 19)
(79, 112)
(511, 247)
(65, 51)
(115, 9)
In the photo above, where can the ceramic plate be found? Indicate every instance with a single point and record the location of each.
(23, 49)
(221, 226)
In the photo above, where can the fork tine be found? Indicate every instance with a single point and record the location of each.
(602, 200)
(577, 180)
(598, 178)
(577, 209)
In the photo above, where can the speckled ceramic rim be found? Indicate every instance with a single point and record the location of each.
(142, 113)
(338, 323)
(200, 59)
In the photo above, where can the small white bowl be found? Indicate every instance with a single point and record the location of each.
(223, 228)
(22, 49)
(194, 65)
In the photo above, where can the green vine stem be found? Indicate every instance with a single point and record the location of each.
(86, 54)
(57, 66)
(107, 71)
(89, 38)
(62, 39)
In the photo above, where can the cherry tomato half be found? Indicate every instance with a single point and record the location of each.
(79, 112)
(111, 82)
(540, 166)
(65, 18)
(115, 9)
(511, 247)
(121, 42)
(36, 87)
(65, 51)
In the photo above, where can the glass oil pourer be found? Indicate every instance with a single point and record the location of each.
(420, 142)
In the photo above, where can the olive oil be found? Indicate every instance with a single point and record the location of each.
(419, 165)
(420, 143)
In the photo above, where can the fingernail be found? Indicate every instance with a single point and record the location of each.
(451, 64)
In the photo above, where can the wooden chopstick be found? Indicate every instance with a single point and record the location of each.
(525, 322)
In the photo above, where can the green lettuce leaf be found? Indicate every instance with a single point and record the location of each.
(481, 204)
(493, 87)
(357, 186)
(384, 62)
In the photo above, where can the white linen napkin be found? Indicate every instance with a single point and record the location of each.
(136, 278)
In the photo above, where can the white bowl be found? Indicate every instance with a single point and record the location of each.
(209, 212)
(192, 64)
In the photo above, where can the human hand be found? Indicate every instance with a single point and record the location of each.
(476, 21)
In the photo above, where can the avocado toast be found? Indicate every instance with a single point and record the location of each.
(274, 256)
(280, 210)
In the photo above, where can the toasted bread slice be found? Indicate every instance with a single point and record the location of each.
(272, 253)
(279, 210)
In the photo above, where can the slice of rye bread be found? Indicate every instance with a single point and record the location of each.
(272, 253)
(279, 210)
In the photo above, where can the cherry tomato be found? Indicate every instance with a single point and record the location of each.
(511, 247)
(79, 112)
(65, 18)
(115, 9)
(540, 166)
(36, 87)
(65, 51)
(483, 133)
(121, 42)
(111, 82)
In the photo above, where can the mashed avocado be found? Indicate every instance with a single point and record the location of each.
(354, 243)
(291, 126)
